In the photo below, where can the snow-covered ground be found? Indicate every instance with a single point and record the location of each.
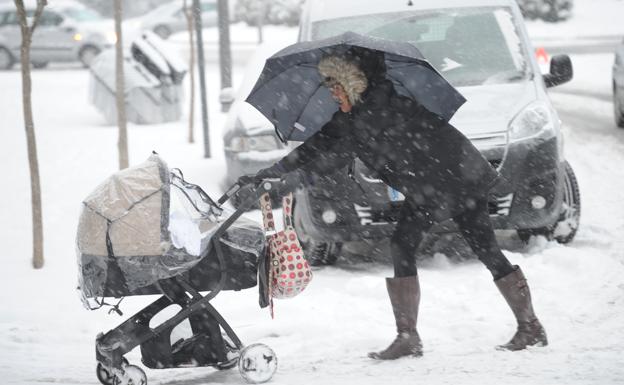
(322, 336)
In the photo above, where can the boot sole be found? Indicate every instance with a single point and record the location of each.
(539, 344)
(377, 357)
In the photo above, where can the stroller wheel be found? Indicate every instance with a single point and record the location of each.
(105, 375)
(131, 375)
(257, 363)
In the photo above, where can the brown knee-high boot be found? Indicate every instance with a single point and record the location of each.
(530, 331)
(404, 296)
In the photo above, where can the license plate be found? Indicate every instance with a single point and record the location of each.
(394, 195)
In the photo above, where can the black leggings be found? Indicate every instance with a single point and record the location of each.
(474, 224)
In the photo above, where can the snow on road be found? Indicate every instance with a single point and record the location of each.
(322, 336)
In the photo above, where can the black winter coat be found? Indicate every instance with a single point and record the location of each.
(411, 149)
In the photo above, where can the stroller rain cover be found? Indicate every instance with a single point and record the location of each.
(145, 224)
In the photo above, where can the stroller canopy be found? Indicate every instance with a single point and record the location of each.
(144, 224)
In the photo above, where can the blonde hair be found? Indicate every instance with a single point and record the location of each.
(347, 74)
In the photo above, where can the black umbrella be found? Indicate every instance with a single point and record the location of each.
(290, 93)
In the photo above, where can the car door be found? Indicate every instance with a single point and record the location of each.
(10, 33)
(52, 40)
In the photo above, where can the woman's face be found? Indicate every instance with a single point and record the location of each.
(339, 94)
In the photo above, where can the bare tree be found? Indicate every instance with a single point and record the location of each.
(33, 162)
(189, 20)
(120, 90)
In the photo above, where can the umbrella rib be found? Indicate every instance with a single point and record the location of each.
(303, 109)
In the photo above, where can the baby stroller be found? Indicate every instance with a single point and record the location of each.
(145, 231)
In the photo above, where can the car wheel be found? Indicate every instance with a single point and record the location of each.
(163, 31)
(321, 253)
(40, 64)
(87, 54)
(317, 253)
(6, 59)
(618, 107)
(564, 230)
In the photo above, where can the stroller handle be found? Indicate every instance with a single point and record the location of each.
(266, 184)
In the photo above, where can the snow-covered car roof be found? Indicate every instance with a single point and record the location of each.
(331, 9)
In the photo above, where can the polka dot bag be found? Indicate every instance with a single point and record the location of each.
(289, 272)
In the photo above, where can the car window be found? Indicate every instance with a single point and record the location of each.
(49, 18)
(82, 14)
(208, 7)
(469, 46)
(11, 17)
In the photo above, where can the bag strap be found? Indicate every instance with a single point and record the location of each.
(267, 213)
(287, 205)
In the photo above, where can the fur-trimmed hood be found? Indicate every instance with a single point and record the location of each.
(347, 73)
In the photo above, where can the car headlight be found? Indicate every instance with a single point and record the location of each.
(253, 143)
(534, 120)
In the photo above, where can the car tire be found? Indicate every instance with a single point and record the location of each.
(40, 64)
(564, 230)
(163, 31)
(321, 253)
(6, 59)
(87, 54)
(618, 107)
(318, 253)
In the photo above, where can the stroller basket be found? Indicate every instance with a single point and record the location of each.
(145, 230)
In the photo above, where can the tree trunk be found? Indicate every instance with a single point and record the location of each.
(225, 51)
(120, 90)
(202, 75)
(29, 124)
(189, 20)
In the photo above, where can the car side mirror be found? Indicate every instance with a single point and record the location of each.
(561, 71)
(226, 97)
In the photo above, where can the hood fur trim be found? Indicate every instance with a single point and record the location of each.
(347, 73)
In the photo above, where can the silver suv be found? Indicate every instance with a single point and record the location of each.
(482, 48)
(66, 32)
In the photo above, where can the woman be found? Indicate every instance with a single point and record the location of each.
(440, 172)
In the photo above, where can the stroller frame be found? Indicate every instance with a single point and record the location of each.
(206, 347)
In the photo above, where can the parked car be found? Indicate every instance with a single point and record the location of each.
(618, 86)
(482, 48)
(249, 138)
(169, 18)
(67, 31)
(547, 10)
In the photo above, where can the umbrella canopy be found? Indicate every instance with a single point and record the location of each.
(291, 95)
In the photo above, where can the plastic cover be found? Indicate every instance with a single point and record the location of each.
(145, 224)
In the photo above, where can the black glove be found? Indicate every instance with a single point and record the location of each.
(273, 172)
